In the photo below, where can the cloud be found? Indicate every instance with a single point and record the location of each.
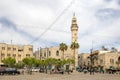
(10, 28)
(9, 25)
(108, 14)
(25, 20)
(118, 1)
(108, 0)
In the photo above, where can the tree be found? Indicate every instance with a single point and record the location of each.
(61, 63)
(51, 61)
(74, 46)
(63, 47)
(45, 63)
(104, 48)
(9, 61)
(113, 49)
(19, 65)
(37, 63)
(29, 62)
(26, 61)
(33, 62)
(70, 61)
(41, 63)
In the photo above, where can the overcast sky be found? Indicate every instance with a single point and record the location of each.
(23, 21)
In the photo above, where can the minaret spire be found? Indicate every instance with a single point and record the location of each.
(74, 29)
(74, 14)
(74, 21)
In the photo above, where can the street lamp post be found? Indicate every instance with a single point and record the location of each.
(1, 57)
(91, 61)
(47, 52)
(40, 53)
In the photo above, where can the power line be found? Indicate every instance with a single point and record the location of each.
(49, 27)
(22, 26)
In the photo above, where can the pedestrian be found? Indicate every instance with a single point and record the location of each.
(30, 71)
(85, 70)
(68, 71)
(22, 71)
(91, 71)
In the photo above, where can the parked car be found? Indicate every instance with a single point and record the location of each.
(35, 69)
(61, 71)
(58, 71)
(80, 70)
(111, 71)
(9, 71)
(85, 70)
(2, 70)
(41, 70)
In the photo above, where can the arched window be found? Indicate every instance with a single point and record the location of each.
(57, 53)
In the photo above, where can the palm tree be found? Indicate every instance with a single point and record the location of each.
(63, 47)
(113, 49)
(74, 46)
(104, 48)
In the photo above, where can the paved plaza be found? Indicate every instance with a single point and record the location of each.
(73, 76)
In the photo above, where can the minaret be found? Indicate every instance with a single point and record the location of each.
(74, 29)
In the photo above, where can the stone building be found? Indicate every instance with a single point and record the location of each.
(54, 52)
(15, 51)
(100, 58)
(107, 60)
(83, 59)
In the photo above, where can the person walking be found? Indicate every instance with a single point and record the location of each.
(91, 71)
(22, 71)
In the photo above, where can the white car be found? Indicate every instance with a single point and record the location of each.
(35, 69)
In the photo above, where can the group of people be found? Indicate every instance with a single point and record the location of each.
(91, 70)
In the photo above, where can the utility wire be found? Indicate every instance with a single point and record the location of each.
(22, 26)
(49, 27)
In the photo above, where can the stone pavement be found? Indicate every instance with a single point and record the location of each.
(72, 76)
